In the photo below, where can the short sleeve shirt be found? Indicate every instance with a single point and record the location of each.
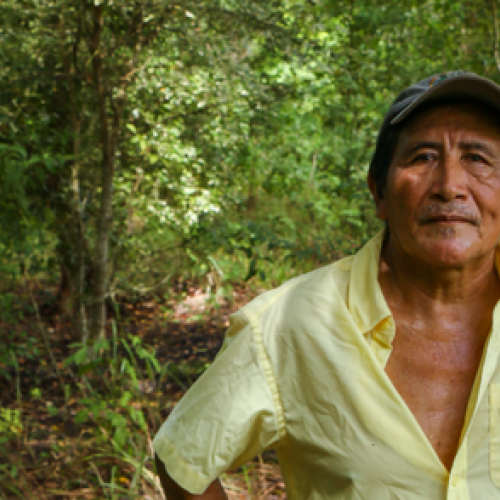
(301, 370)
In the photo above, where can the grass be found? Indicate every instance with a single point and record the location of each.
(71, 428)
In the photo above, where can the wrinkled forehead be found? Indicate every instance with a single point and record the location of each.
(454, 114)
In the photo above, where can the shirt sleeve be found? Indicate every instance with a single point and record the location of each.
(225, 419)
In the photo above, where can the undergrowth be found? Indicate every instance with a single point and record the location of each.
(78, 422)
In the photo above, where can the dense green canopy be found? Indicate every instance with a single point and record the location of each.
(143, 139)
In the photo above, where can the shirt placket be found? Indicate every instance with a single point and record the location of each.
(457, 482)
(457, 485)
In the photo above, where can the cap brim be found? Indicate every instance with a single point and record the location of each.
(467, 86)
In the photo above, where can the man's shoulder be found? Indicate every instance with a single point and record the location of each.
(302, 292)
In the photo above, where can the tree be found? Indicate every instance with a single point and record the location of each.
(84, 69)
(131, 129)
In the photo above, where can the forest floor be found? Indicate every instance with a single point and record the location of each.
(70, 429)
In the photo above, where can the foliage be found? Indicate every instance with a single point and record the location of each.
(86, 426)
(115, 372)
(249, 115)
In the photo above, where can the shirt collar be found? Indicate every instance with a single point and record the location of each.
(365, 299)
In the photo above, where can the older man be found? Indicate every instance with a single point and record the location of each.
(377, 376)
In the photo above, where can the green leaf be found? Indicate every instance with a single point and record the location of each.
(81, 355)
(125, 398)
(120, 435)
(52, 410)
(81, 416)
(138, 418)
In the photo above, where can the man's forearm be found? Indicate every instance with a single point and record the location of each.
(174, 492)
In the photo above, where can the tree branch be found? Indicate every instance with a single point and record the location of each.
(76, 44)
(495, 39)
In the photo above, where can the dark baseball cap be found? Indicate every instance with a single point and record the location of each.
(443, 86)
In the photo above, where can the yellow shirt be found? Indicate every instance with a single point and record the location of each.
(302, 371)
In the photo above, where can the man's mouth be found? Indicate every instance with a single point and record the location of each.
(452, 213)
(449, 218)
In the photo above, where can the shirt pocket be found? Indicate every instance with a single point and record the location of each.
(495, 433)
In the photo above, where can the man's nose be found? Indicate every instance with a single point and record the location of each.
(449, 179)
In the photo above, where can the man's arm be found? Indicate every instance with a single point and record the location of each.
(174, 492)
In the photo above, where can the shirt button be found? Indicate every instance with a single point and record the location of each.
(454, 480)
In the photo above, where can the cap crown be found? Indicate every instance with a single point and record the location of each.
(412, 93)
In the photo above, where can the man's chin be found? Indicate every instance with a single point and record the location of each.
(447, 250)
(449, 229)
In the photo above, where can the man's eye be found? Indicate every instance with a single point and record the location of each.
(422, 158)
(476, 158)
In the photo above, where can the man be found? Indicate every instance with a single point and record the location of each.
(375, 377)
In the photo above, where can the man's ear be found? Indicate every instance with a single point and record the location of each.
(379, 200)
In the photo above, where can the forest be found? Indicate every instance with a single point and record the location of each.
(162, 162)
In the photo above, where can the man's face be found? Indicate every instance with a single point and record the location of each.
(442, 198)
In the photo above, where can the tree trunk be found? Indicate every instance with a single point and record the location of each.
(74, 270)
(109, 133)
(98, 318)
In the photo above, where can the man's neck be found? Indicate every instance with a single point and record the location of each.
(444, 293)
